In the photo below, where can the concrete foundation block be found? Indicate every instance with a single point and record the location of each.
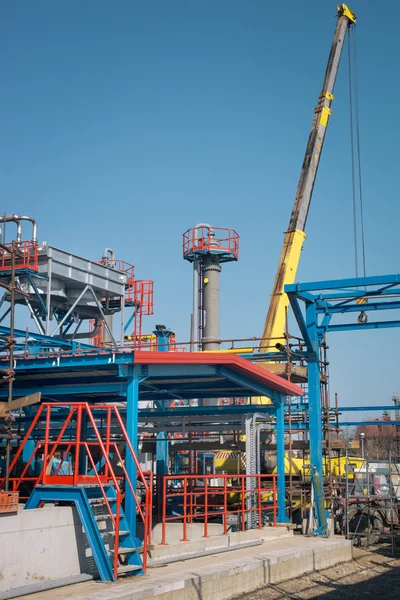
(289, 565)
(330, 553)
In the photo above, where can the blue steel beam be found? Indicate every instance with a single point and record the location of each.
(369, 306)
(44, 340)
(361, 326)
(340, 284)
(72, 390)
(91, 359)
(193, 411)
(300, 320)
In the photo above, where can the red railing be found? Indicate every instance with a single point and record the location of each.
(214, 240)
(201, 498)
(26, 256)
(95, 451)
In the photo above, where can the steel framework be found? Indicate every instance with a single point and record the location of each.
(323, 307)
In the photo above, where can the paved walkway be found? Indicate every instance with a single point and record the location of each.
(219, 576)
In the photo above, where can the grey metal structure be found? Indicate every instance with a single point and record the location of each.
(67, 290)
(211, 329)
(68, 285)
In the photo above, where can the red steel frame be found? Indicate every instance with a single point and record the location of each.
(143, 300)
(198, 499)
(103, 446)
(26, 256)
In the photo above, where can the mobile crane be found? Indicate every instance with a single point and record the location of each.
(295, 235)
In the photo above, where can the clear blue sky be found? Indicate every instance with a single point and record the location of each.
(125, 123)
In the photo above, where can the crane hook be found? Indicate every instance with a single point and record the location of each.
(362, 317)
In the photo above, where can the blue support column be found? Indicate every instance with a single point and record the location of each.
(162, 458)
(162, 461)
(163, 335)
(132, 410)
(315, 419)
(314, 390)
(280, 457)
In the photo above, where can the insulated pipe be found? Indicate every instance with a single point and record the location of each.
(108, 254)
(9, 219)
(211, 271)
(34, 227)
(16, 219)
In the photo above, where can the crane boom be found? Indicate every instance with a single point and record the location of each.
(295, 235)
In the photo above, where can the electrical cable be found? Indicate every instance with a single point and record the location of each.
(353, 178)
(355, 143)
(359, 154)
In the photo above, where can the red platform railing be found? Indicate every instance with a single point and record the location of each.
(26, 255)
(215, 240)
(73, 448)
(201, 498)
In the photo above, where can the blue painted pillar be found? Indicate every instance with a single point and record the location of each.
(280, 457)
(132, 410)
(162, 447)
(162, 461)
(163, 335)
(314, 391)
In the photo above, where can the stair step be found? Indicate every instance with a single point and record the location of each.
(121, 532)
(126, 550)
(102, 517)
(129, 569)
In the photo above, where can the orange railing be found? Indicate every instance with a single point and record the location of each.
(202, 498)
(95, 451)
(26, 255)
(204, 239)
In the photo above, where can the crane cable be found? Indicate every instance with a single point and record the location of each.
(356, 162)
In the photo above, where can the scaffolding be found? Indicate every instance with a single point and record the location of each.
(372, 494)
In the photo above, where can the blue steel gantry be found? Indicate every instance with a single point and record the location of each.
(323, 307)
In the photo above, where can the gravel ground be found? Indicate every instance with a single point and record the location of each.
(373, 573)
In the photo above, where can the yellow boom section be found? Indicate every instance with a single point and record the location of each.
(289, 261)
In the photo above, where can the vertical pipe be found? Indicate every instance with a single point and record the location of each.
(164, 509)
(108, 431)
(205, 506)
(48, 298)
(195, 322)
(259, 501)
(46, 445)
(78, 444)
(225, 507)
(280, 458)
(185, 489)
(211, 270)
(243, 502)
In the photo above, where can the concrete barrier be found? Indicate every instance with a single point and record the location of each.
(227, 578)
(42, 545)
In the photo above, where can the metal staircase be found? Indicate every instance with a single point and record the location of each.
(85, 475)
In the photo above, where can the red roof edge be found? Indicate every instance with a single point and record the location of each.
(232, 361)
